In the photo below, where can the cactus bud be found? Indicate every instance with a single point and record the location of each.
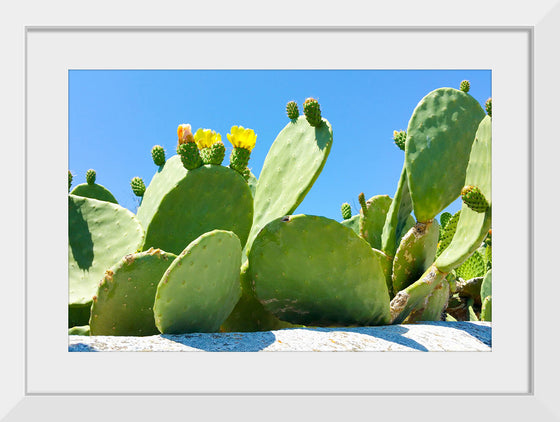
(489, 106)
(292, 110)
(400, 138)
(239, 159)
(70, 177)
(90, 176)
(312, 112)
(190, 156)
(363, 204)
(465, 86)
(158, 155)
(138, 186)
(346, 211)
(213, 154)
(475, 200)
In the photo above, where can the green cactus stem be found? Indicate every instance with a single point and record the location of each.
(488, 106)
(399, 137)
(158, 155)
(474, 199)
(312, 111)
(90, 176)
(213, 154)
(465, 86)
(346, 211)
(70, 177)
(292, 110)
(363, 204)
(138, 186)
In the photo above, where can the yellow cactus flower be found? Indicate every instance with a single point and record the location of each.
(242, 138)
(205, 138)
(184, 133)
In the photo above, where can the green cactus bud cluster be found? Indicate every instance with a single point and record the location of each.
(138, 186)
(346, 211)
(363, 204)
(465, 86)
(292, 110)
(190, 155)
(474, 199)
(213, 154)
(91, 176)
(239, 159)
(312, 111)
(70, 178)
(488, 106)
(399, 137)
(158, 155)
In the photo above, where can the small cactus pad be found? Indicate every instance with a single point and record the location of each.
(346, 211)
(415, 254)
(99, 235)
(312, 111)
(94, 191)
(399, 137)
(474, 199)
(472, 267)
(486, 309)
(488, 106)
(125, 296)
(465, 86)
(138, 186)
(353, 223)
(363, 204)
(444, 218)
(472, 227)
(486, 287)
(292, 110)
(190, 155)
(208, 198)
(70, 177)
(441, 132)
(448, 232)
(292, 165)
(201, 286)
(314, 271)
(81, 330)
(158, 155)
(371, 224)
(213, 154)
(91, 176)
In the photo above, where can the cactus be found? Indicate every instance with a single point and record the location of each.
(123, 303)
(158, 155)
(465, 86)
(91, 176)
(312, 112)
(298, 268)
(99, 234)
(201, 286)
(92, 190)
(373, 215)
(212, 149)
(138, 186)
(353, 223)
(474, 199)
(399, 137)
(70, 177)
(187, 148)
(488, 106)
(346, 211)
(81, 330)
(243, 141)
(473, 266)
(292, 110)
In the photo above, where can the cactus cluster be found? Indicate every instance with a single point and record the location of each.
(211, 248)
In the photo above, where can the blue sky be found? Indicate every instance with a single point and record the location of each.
(116, 116)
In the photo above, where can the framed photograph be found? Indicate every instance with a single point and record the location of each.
(516, 378)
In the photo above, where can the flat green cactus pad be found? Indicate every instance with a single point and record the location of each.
(353, 223)
(94, 191)
(207, 198)
(292, 165)
(314, 271)
(486, 287)
(440, 132)
(100, 233)
(371, 225)
(474, 266)
(434, 305)
(81, 330)
(415, 254)
(472, 227)
(125, 296)
(201, 286)
(486, 309)
(252, 182)
(386, 263)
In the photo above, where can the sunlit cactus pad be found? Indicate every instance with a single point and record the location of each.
(94, 191)
(314, 271)
(100, 233)
(201, 286)
(207, 198)
(125, 296)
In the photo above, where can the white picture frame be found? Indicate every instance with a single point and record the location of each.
(27, 395)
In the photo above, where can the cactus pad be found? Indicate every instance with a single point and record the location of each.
(314, 271)
(312, 111)
(208, 198)
(70, 177)
(353, 223)
(441, 132)
(138, 186)
(292, 110)
(201, 286)
(125, 296)
(346, 211)
(158, 155)
(94, 191)
(415, 254)
(448, 232)
(371, 224)
(292, 165)
(91, 176)
(99, 235)
(473, 267)
(486, 286)
(474, 199)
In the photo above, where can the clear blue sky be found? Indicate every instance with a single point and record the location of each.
(116, 116)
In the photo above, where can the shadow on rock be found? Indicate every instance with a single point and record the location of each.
(80, 347)
(225, 342)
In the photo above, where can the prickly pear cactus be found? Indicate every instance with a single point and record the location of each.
(488, 106)
(465, 86)
(70, 178)
(138, 186)
(125, 296)
(474, 199)
(158, 155)
(346, 211)
(292, 110)
(201, 286)
(312, 270)
(399, 137)
(92, 190)
(373, 220)
(473, 267)
(187, 147)
(91, 175)
(353, 223)
(312, 111)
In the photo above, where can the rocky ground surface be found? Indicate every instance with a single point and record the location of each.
(426, 337)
